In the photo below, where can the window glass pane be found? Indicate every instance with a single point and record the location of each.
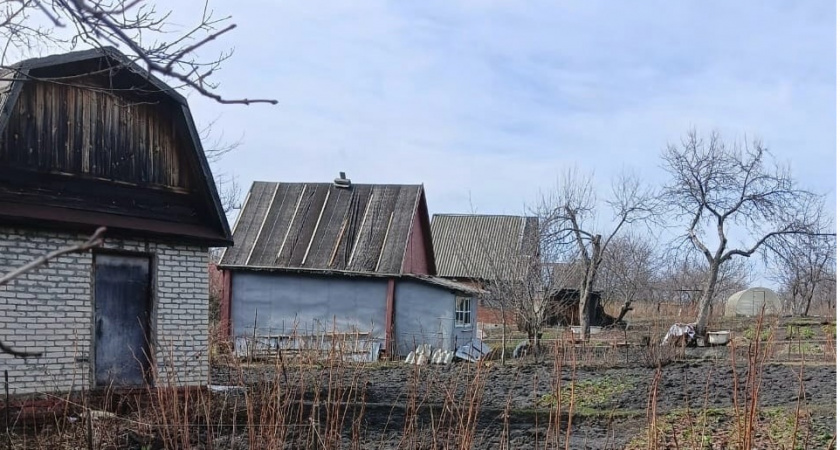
(463, 312)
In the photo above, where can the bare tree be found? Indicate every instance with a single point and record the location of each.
(571, 222)
(826, 292)
(216, 146)
(736, 203)
(684, 276)
(630, 270)
(532, 297)
(149, 36)
(518, 283)
(804, 263)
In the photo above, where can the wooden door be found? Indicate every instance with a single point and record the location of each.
(122, 311)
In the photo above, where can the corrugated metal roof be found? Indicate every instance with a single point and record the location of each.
(482, 246)
(364, 228)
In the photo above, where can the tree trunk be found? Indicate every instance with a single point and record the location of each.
(586, 307)
(624, 310)
(535, 346)
(585, 313)
(504, 334)
(808, 299)
(706, 299)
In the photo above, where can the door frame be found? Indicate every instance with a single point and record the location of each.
(151, 301)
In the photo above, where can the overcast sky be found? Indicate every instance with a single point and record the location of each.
(487, 102)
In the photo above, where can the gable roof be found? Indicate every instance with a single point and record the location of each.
(364, 228)
(482, 246)
(193, 212)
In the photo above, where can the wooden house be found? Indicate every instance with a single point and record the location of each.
(481, 250)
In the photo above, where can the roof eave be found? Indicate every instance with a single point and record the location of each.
(94, 53)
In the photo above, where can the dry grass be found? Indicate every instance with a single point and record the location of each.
(319, 400)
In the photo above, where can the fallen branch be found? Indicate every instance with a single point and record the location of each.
(94, 241)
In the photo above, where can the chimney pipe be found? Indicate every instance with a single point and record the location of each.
(342, 181)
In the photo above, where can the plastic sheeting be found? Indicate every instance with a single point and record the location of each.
(424, 354)
(677, 331)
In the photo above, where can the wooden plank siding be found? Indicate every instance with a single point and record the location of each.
(71, 129)
(90, 139)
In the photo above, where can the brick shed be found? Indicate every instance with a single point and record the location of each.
(109, 145)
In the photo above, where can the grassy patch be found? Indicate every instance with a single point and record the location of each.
(798, 332)
(588, 393)
(784, 429)
(765, 334)
(716, 428)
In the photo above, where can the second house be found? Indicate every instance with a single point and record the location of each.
(340, 261)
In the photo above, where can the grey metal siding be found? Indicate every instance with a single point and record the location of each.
(305, 304)
(425, 314)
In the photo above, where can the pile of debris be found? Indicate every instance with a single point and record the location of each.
(682, 333)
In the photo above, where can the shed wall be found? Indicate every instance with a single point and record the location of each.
(292, 303)
(425, 314)
(88, 131)
(416, 261)
(50, 310)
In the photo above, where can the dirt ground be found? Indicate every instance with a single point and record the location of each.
(517, 402)
(524, 403)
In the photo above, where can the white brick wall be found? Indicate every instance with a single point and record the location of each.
(50, 310)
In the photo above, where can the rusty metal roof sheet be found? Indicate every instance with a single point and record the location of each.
(363, 228)
(482, 246)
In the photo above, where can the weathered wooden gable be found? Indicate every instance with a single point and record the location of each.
(84, 129)
(91, 138)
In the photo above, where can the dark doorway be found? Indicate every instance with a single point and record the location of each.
(122, 309)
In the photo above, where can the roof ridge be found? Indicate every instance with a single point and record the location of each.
(417, 185)
(482, 215)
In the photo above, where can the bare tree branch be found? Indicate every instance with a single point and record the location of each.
(804, 265)
(570, 215)
(123, 23)
(94, 241)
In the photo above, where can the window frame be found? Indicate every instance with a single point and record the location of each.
(461, 313)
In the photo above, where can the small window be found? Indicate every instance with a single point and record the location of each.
(463, 312)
